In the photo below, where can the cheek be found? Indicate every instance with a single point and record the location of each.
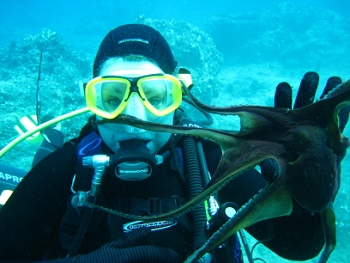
(110, 130)
(160, 138)
(167, 119)
(111, 134)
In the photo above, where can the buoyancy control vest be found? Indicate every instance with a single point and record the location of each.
(92, 144)
(135, 204)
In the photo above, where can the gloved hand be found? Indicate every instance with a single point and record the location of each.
(305, 96)
(123, 251)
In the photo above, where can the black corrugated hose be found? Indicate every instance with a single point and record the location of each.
(195, 186)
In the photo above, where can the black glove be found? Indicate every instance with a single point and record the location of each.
(123, 251)
(305, 96)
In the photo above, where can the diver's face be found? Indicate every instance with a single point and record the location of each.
(111, 133)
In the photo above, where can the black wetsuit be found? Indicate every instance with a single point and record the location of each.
(30, 221)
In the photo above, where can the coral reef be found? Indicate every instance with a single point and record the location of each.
(61, 70)
(293, 35)
(194, 49)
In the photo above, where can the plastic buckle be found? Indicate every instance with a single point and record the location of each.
(155, 206)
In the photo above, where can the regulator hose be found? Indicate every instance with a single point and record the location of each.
(195, 186)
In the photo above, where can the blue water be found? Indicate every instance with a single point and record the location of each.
(318, 42)
(17, 17)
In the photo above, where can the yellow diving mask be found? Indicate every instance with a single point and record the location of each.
(107, 96)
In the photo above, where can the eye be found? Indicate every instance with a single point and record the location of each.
(112, 95)
(112, 103)
(155, 101)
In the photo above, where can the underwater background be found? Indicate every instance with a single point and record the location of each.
(237, 51)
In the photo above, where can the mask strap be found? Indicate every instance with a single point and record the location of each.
(185, 77)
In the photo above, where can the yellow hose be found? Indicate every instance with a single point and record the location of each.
(41, 127)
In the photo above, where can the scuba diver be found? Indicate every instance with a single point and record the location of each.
(53, 139)
(138, 172)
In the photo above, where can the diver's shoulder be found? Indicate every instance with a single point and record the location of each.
(62, 156)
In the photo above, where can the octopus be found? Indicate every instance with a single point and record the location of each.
(306, 144)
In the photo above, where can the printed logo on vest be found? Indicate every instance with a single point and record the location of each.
(90, 145)
(155, 226)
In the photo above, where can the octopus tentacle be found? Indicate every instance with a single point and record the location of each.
(306, 143)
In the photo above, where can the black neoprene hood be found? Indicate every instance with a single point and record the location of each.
(135, 39)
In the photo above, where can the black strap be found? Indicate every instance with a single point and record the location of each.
(148, 206)
(75, 223)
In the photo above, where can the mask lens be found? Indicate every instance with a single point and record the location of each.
(107, 97)
(161, 94)
(113, 93)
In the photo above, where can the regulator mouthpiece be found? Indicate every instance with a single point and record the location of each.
(133, 161)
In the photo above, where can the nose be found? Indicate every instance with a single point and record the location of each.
(136, 109)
